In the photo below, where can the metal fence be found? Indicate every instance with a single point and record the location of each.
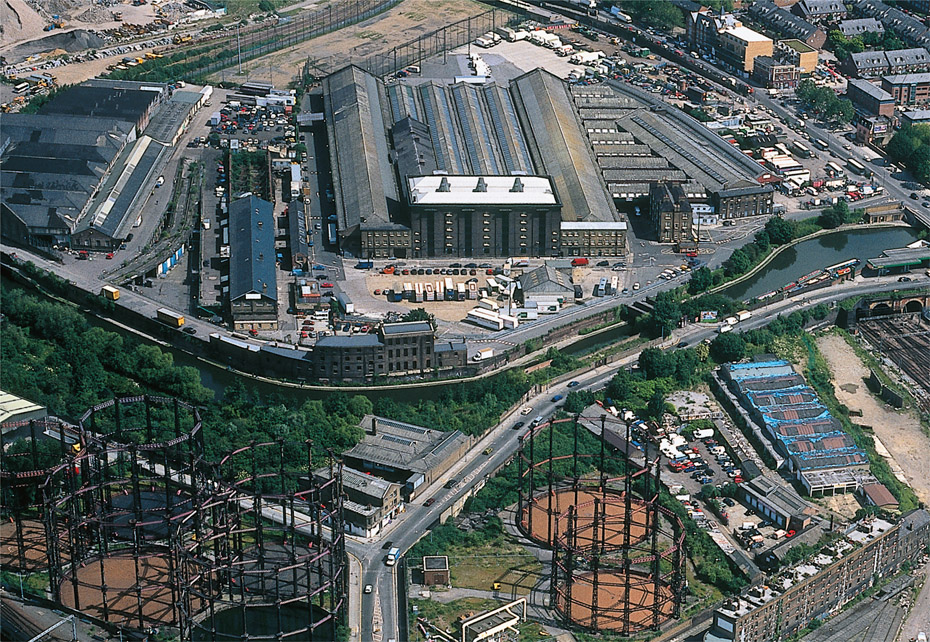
(436, 42)
(293, 31)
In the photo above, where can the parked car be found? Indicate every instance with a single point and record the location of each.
(558, 398)
(519, 425)
(429, 502)
(572, 384)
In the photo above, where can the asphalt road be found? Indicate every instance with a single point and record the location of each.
(417, 519)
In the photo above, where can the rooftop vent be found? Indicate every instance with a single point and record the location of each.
(444, 185)
(481, 186)
(517, 185)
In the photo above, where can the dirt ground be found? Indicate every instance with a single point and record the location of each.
(612, 528)
(611, 602)
(122, 602)
(845, 504)
(898, 431)
(356, 43)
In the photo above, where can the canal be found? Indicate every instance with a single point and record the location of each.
(823, 251)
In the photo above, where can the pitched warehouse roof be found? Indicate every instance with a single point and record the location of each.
(252, 269)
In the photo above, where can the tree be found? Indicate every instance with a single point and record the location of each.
(831, 218)
(727, 347)
(657, 363)
(620, 388)
(419, 314)
(265, 5)
(738, 263)
(666, 312)
(578, 400)
(701, 279)
(656, 406)
(779, 230)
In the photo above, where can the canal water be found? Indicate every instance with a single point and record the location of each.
(823, 251)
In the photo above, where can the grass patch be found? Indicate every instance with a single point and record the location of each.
(446, 616)
(478, 567)
(368, 35)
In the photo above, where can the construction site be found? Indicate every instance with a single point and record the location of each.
(617, 554)
(136, 531)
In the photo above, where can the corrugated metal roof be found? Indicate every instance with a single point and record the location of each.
(559, 145)
(362, 173)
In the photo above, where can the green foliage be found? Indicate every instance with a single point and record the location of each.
(419, 314)
(701, 280)
(836, 215)
(578, 400)
(52, 356)
(265, 5)
(779, 231)
(37, 102)
(656, 406)
(249, 172)
(727, 347)
(665, 315)
(824, 101)
(911, 146)
(661, 14)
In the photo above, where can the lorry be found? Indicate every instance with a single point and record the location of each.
(109, 292)
(392, 556)
(586, 57)
(170, 318)
(484, 353)
(704, 433)
(744, 315)
(579, 262)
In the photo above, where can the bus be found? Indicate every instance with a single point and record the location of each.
(803, 150)
(21, 88)
(856, 166)
(821, 144)
(834, 169)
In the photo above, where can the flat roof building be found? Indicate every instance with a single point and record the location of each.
(869, 98)
(405, 453)
(14, 408)
(436, 570)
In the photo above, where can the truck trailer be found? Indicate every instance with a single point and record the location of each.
(168, 317)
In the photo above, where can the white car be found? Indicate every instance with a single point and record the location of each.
(527, 410)
(367, 589)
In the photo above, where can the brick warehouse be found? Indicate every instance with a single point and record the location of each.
(821, 586)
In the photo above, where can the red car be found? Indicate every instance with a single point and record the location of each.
(430, 501)
(109, 255)
(327, 284)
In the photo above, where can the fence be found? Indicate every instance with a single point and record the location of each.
(435, 42)
(293, 31)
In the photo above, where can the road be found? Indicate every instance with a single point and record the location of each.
(415, 522)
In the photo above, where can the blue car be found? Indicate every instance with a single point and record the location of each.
(572, 384)
(557, 398)
(319, 267)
